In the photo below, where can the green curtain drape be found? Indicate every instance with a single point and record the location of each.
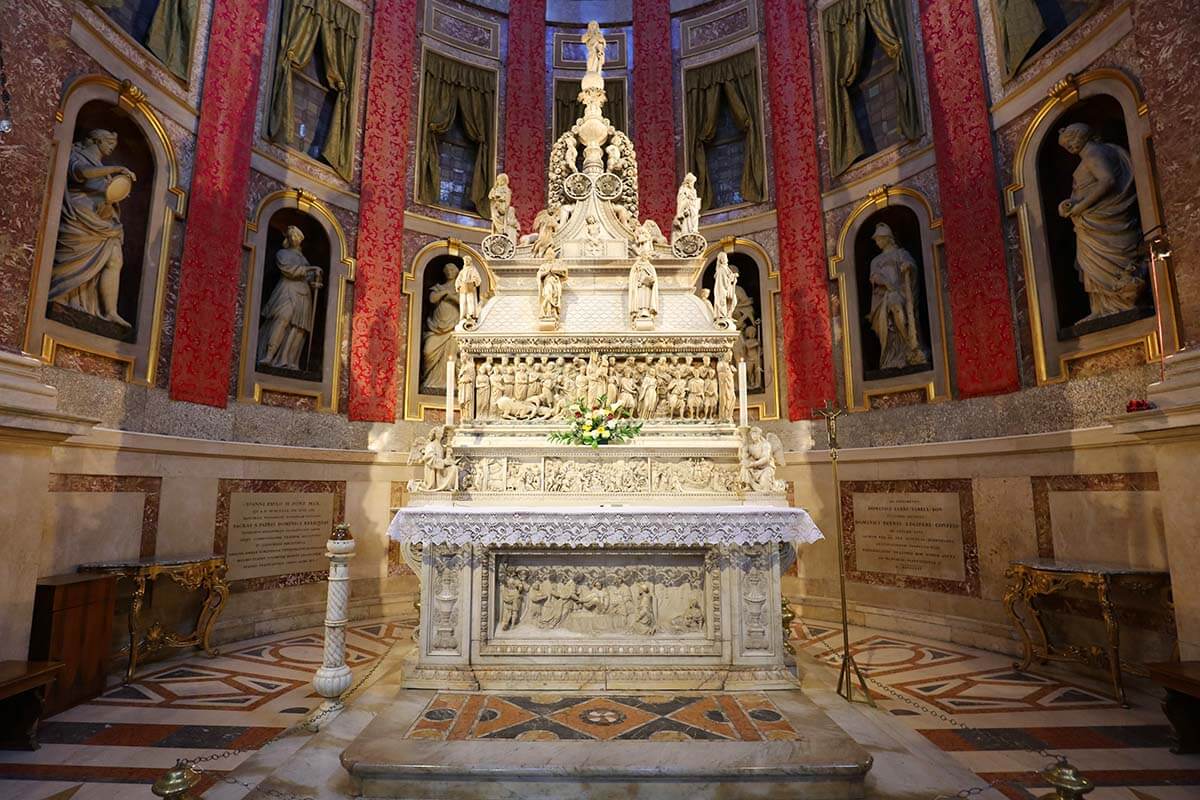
(734, 81)
(845, 28)
(304, 23)
(1021, 25)
(567, 107)
(452, 90)
(170, 35)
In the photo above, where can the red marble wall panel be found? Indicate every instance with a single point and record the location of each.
(212, 250)
(1166, 33)
(525, 124)
(34, 34)
(981, 312)
(654, 125)
(804, 290)
(375, 331)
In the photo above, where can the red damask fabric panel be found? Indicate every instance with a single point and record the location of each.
(525, 122)
(804, 289)
(980, 301)
(212, 250)
(375, 329)
(653, 111)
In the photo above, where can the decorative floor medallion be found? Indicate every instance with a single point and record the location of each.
(740, 717)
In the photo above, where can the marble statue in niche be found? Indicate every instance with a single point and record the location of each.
(439, 471)
(551, 276)
(289, 316)
(466, 388)
(440, 320)
(504, 216)
(89, 255)
(687, 208)
(1103, 209)
(893, 314)
(759, 455)
(577, 600)
(643, 293)
(467, 284)
(724, 291)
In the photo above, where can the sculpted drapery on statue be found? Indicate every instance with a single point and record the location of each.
(439, 467)
(439, 329)
(288, 316)
(724, 291)
(643, 293)
(467, 285)
(893, 316)
(687, 208)
(551, 276)
(504, 216)
(88, 257)
(1103, 208)
(596, 45)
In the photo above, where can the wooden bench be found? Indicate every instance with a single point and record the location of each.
(1181, 679)
(22, 693)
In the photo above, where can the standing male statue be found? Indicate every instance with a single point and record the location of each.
(467, 285)
(643, 292)
(287, 319)
(1103, 208)
(504, 216)
(724, 291)
(893, 313)
(687, 208)
(551, 276)
(88, 258)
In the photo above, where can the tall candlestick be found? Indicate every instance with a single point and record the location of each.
(743, 411)
(450, 384)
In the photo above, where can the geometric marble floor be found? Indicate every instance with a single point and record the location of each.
(191, 706)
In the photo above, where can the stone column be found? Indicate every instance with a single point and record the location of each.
(653, 112)
(1165, 33)
(378, 307)
(804, 295)
(211, 266)
(981, 307)
(333, 676)
(525, 108)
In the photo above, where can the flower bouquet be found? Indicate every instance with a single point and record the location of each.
(597, 423)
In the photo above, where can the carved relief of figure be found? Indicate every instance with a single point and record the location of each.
(88, 257)
(467, 285)
(647, 235)
(724, 290)
(483, 391)
(643, 290)
(504, 216)
(687, 208)
(893, 314)
(726, 392)
(751, 350)
(614, 163)
(595, 247)
(643, 621)
(545, 225)
(571, 153)
(551, 276)
(439, 327)
(648, 395)
(288, 317)
(1104, 210)
(440, 468)
(466, 388)
(759, 455)
(510, 604)
(695, 393)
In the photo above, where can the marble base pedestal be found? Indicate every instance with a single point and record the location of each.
(823, 764)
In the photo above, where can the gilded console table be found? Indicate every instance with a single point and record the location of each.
(193, 574)
(1039, 578)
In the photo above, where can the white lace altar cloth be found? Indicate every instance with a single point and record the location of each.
(603, 527)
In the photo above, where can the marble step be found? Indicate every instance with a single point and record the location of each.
(819, 762)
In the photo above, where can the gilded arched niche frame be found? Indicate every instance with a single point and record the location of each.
(167, 205)
(935, 381)
(416, 404)
(1023, 199)
(339, 275)
(765, 403)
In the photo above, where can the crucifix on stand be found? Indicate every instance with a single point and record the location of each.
(849, 669)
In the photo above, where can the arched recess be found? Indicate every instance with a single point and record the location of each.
(908, 213)
(155, 202)
(424, 273)
(324, 246)
(1109, 101)
(763, 286)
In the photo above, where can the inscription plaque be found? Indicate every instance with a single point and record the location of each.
(909, 533)
(278, 533)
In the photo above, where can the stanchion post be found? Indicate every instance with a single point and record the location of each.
(849, 670)
(333, 677)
